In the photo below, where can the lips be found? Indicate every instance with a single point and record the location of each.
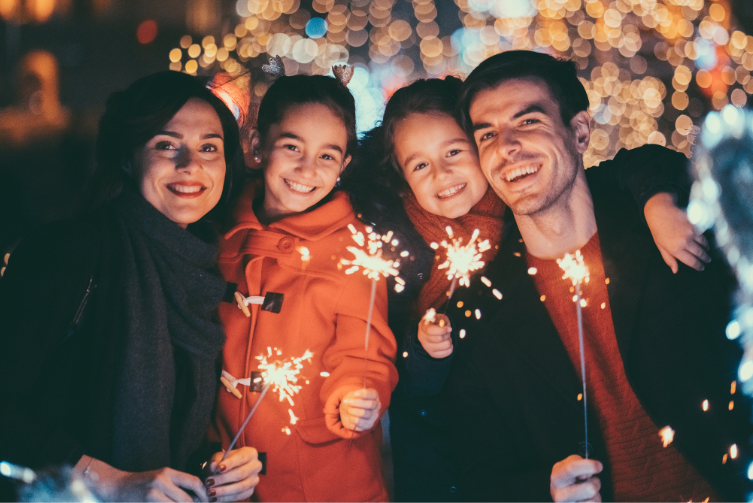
(299, 187)
(451, 191)
(520, 172)
(186, 189)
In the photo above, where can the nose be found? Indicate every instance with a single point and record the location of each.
(508, 145)
(442, 170)
(185, 160)
(307, 166)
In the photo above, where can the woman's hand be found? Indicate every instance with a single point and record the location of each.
(349, 411)
(435, 336)
(235, 478)
(674, 235)
(165, 484)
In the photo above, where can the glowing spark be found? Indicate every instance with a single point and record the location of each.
(733, 388)
(574, 267)
(705, 405)
(405, 354)
(462, 333)
(293, 419)
(324, 374)
(733, 451)
(477, 312)
(370, 259)
(486, 281)
(430, 316)
(497, 294)
(731, 404)
(305, 253)
(283, 375)
(461, 259)
(667, 435)
(286, 430)
(532, 271)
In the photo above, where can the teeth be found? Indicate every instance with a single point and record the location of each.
(299, 187)
(185, 189)
(523, 170)
(451, 191)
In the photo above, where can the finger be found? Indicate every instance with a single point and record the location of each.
(437, 339)
(573, 468)
(699, 252)
(701, 240)
(581, 491)
(360, 403)
(690, 260)
(178, 480)
(169, 489)
(367, 394)
(669, 259)
(155, 494)
(238, 457)
(235, 475)
(437, 330)
(214, 461)
(237, 492)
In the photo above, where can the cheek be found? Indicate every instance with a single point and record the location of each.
(424, 192)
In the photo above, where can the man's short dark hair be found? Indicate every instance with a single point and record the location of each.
(559, 75)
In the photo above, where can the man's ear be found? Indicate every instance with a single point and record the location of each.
(581, 127)
(345, 163)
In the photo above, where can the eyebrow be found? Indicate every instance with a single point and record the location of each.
(179, 136)
(535, 107)
(294, 136)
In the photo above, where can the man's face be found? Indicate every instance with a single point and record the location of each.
(529, 156)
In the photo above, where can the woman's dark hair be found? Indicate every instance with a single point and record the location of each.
(425, 96)
(134, 116)
(559, 75)
(288, 92)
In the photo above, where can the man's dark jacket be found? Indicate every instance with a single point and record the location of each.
(513, 389)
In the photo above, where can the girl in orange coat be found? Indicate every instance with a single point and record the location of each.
(290, 233)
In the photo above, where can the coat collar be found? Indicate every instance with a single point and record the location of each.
(312, 225)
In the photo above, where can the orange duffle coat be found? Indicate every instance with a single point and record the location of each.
(324, 311)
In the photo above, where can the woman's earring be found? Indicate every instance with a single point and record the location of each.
(338, 179)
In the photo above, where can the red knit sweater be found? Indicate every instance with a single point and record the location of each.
(642, 469)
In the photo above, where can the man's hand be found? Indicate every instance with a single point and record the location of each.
(673, 233)
(235, 478)
(574, 479)
(435, 336)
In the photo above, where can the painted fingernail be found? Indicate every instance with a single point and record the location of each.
(209, 482)
(223, 468)
(212, 493)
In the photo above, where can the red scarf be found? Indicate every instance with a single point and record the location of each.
(486, 216)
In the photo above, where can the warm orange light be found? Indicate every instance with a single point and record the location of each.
(146, 32)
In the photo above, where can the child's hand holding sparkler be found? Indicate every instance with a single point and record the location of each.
(434, 334)
(235, 477)
(349, 411)
(575, 479)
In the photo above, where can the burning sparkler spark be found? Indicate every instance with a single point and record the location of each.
(574, 267)
(370, 259)
(430, 316)
(667, 435)
(282, 376)
(461, 259)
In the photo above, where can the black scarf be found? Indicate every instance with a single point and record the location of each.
(165, 386)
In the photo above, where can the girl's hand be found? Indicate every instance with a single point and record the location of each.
(350, 410)
(435, 336)
(359, 410)
(235, 478)
(165, 484)
(674, 235)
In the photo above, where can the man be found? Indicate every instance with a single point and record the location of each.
(655, 350)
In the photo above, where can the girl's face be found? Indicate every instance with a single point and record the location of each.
(439, 164)
(303, 156)
(181, 170)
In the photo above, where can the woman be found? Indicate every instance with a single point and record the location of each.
(109, 328)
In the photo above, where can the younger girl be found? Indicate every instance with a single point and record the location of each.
(418, 172)
(290, 232)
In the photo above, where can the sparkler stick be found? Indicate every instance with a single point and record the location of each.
(461, 259)
(243, 426)
(374, 267)
(576, 270)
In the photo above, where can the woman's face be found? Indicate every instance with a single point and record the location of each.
(181, 170)
(303, 156)
(439, 164)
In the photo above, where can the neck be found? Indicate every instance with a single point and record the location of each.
(563, 227)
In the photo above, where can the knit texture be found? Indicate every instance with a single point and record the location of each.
(486, 216)
(642, 469)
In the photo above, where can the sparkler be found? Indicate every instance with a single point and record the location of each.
(576, 271)
(374, 267)
(461, 260)
(282, 377)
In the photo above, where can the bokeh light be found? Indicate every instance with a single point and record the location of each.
(651, 68)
